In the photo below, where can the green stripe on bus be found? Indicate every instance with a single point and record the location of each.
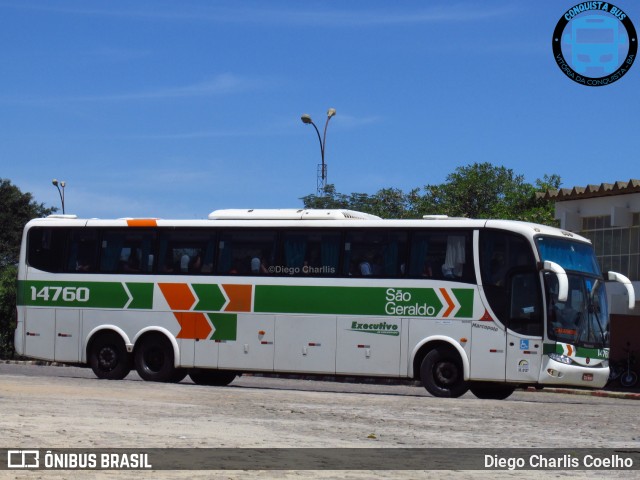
(380, 301)
(210, 298)
(40, 293)
(465, 299)
(366, 301)
(581, 352)
(142, 294)
(225, 325)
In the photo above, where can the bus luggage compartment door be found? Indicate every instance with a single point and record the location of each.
(305, 343)
(369, 345)
(40, 324)
(253, 347)
(67, 339)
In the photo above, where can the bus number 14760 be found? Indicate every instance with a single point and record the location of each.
(66, 294)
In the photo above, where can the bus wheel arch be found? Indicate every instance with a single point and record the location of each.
(154, 356)
(108, 355)
(442, 367)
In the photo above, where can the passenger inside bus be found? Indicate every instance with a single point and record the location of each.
(258, 266)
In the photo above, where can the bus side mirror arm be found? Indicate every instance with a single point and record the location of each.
(563, 281)
(618, 277)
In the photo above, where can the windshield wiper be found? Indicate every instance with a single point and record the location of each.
(594, 310)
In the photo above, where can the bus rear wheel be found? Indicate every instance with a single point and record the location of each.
(215, 378)
(491, 391)
(154, 360)
(442, 373)
(108, 357)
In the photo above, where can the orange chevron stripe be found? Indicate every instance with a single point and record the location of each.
(178, 295)
(193, 325)
(239, 298)
(449, 301)
(569, 350)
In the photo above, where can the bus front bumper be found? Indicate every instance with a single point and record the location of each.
(561, 374)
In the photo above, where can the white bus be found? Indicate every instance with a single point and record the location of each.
(485, 305)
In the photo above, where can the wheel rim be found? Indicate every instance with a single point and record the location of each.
(154, 359)
(107, 358)
(446, 373)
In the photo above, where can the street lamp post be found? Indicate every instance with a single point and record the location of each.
(58, 185)
(322, 168)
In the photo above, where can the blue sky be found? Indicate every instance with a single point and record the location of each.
(175, 108)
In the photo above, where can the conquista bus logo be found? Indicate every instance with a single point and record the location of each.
(595, 43)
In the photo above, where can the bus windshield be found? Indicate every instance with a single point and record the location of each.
(583, 319)
(569, 254)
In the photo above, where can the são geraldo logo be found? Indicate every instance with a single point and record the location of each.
(595, 43)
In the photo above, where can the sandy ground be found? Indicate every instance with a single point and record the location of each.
(76, 410)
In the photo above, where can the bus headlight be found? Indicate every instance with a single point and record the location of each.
(561, 358)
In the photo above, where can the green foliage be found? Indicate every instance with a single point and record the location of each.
(480, 190)
(7, 310)
(329, 199)
(16, 209)
(386, 203)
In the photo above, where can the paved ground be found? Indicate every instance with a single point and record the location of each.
(56, 407)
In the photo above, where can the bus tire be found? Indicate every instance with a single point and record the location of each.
(442, 373)
(153, 359)
(491, 391)
(214, 378)
(108, 356)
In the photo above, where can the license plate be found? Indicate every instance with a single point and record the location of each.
(587, 377)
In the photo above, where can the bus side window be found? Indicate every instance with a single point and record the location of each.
(127, 251)
(246, 252)
(525, 312)
(186, 252)
(375, 253)
(310, 253)
(507, 265)
(442, 255)
(46, 248)
(82, 254)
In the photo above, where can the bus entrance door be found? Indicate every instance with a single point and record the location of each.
(524, 328)
(523, 358)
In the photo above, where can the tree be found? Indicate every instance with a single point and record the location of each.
(329, 199)
(16, 209)
(479, 190)
(7, 310)
(386, 203)
(482, 190)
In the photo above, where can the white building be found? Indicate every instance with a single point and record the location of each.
(609, 215)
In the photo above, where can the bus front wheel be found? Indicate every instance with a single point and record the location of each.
(442, 373)
(108, 357)
(154, 360)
